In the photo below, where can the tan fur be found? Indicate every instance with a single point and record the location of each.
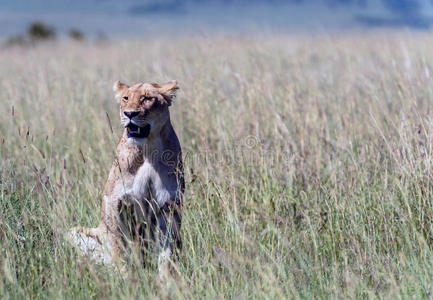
(145, 180)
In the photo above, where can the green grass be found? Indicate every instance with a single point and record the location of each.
(308, 165)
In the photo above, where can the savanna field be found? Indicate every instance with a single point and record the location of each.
(308, 165)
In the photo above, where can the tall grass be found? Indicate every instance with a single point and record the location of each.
(308, 165)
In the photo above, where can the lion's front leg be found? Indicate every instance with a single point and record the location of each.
(114, 222)
(125, 219)
(169, 240)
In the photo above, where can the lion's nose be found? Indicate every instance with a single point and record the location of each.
(130, 113)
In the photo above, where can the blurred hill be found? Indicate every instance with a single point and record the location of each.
(132, 17)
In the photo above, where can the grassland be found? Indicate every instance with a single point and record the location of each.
(308, 165)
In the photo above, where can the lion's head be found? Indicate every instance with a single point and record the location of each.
(144, 107)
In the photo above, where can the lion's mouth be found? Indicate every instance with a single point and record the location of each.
(138, 132)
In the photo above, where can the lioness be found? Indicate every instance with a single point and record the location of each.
(142, 196)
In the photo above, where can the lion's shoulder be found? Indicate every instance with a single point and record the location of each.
(128, 157)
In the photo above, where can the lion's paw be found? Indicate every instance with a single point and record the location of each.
(89, 242)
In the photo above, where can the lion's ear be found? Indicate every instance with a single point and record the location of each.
(168, 91)
(119, 87)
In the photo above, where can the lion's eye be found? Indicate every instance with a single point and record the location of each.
(144, 98)
(125, 99)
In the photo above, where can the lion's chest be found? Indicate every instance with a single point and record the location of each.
(152, 183)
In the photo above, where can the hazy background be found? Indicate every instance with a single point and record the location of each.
(139, 17)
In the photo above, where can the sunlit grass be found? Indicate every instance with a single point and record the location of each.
(308, 165)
